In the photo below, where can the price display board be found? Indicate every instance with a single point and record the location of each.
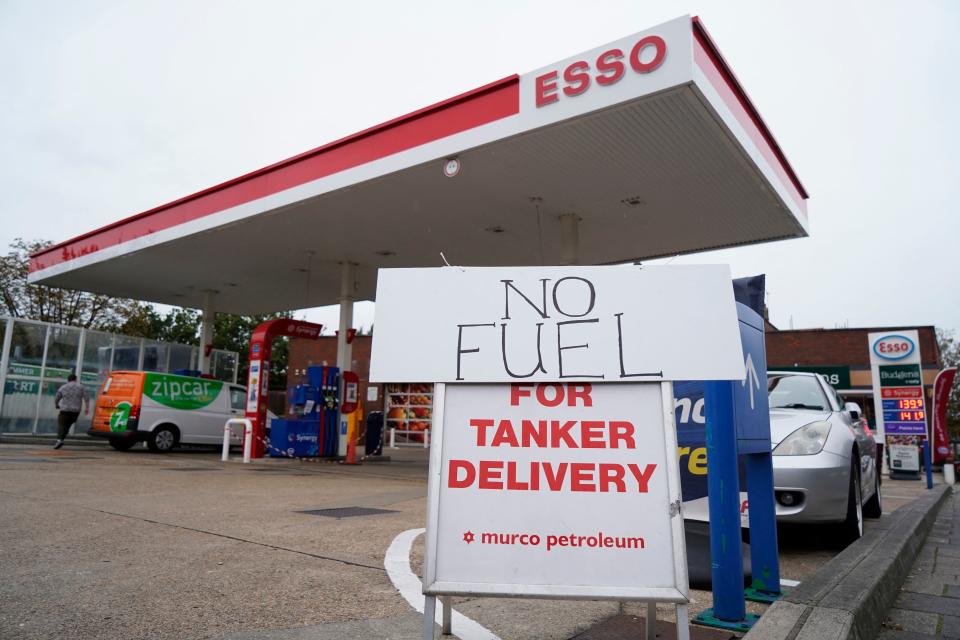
(898, 384)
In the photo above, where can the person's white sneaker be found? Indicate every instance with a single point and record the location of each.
(58, 445)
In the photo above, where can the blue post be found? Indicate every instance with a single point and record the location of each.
(723, 487)
(927, 462)
(764, 560)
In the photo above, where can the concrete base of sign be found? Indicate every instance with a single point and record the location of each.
(756, 595)
(904, 475)
(707, 619)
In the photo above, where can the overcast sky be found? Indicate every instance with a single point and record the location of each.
(111, 108)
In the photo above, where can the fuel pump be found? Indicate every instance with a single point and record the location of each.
(315, 405)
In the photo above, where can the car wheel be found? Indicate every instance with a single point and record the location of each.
(163, 439)
(122, 444)
(852, 527)
(874, 506)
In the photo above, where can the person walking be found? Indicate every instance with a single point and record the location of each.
(69, 399)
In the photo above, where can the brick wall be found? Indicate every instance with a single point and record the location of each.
(837, 347)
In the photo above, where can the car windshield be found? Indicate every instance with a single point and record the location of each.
(795, 392)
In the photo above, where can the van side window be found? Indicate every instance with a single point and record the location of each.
(238, 398)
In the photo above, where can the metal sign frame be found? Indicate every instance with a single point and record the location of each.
(677, 594)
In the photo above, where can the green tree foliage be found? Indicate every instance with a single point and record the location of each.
(178, 325)
(230, 332)
(950, 355)
(19, 299)
(234, 332)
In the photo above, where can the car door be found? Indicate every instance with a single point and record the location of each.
(865, 446)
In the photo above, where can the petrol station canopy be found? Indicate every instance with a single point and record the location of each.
(650, 142)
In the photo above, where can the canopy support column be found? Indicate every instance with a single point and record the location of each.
(206, 331)
(348, 288)
(569, 239)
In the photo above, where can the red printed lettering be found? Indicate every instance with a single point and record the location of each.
(490, 475)
(453, 474)
(577, 78)
(546, 89)
(643, 477)
(481, 426)
(660, 52)
(581, 477)
(505, 435)
(610, 67)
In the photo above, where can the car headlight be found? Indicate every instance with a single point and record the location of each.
(805, 441)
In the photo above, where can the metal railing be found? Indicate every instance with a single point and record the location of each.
(247, 438)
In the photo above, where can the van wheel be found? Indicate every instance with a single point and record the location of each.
(122, 444)
(852, 528)
(163, 439)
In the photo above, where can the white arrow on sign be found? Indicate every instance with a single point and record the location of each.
(751, 373)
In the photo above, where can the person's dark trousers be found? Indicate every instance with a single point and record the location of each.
(64, 421)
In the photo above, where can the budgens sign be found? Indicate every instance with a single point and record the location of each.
(177, 392)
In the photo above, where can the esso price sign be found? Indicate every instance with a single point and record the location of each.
(893, 347)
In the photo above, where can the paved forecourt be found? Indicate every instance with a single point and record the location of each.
(98, 543)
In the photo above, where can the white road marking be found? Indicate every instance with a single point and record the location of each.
(397, 564)
(788, 583)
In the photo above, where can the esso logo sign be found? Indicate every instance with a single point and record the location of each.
(893, 347)
(609, 68)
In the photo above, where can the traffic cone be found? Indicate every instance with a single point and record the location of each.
(351, 453)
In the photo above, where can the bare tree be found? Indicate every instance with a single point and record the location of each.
(63, 306)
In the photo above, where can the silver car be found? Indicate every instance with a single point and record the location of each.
(824, 460)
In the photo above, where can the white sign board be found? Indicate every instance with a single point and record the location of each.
(555, 490)
(609, 324)
(904, 457)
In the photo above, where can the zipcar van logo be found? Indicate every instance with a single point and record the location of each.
(177, 392)
(609, 68)
(893, 347)
(120, 417)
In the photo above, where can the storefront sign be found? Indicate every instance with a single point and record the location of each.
(837, 377)
(608, 68)
(899, 375)
(34, 371)
(904, 457)
(594, 324)
(556, 490)
(30, 387)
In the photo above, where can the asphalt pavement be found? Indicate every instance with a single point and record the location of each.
(96, 543)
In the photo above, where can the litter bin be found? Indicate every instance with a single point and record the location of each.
(374, 442)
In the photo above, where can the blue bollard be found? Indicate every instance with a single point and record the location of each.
(928, 463)
(764, 559)
(723, 486)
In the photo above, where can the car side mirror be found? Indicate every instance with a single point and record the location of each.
(853, 409)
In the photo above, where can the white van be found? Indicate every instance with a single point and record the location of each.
(164, 410)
